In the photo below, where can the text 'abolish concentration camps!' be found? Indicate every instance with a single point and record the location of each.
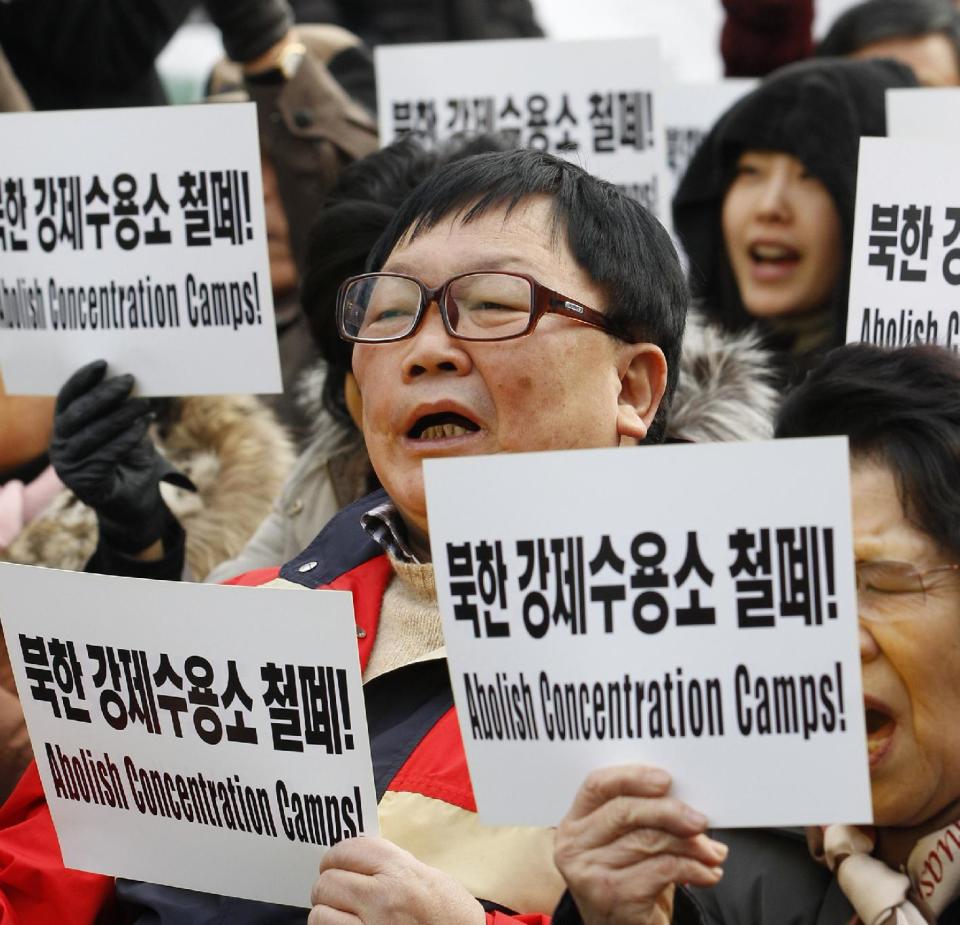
(674, 706)
(224, 803)
(130, 306)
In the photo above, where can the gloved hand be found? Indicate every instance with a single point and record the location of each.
(250, 28)
(101, 451)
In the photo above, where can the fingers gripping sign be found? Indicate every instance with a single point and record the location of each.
(626, 843)
(373, 882)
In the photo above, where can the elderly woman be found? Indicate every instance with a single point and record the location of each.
(627, 844)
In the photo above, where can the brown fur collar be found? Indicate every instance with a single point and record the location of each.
(233, 450)
(725, 389)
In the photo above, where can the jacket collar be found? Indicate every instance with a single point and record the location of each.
(340, 546)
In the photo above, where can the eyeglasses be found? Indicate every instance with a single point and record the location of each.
(377, 308)
(885, 587)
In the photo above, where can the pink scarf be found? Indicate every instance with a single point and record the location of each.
(20, 504)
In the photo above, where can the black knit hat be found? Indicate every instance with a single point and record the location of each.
(815, 110)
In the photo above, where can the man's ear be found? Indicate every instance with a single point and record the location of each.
(353, 399)
(643, 380)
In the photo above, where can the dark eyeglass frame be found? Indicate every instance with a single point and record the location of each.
(920, 574)
(545, 301)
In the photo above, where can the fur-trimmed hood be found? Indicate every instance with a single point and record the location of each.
(232, 449)
(725, 390)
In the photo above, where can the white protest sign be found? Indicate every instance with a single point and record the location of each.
(689, 112)
(593, 102)
(192, 735)
(924, 112)
(137, 236)
(905, 273)
(689, 607)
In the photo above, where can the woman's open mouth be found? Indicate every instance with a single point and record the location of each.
(772, 261)
(881, 727)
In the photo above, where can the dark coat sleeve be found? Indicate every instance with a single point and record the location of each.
(396, 21)
(76, 53)
(686, 911)
(768, 877)
(108, 561)
(152, 904)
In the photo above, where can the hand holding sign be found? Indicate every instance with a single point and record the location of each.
(626, 842)
(102, 452)
(371, 880)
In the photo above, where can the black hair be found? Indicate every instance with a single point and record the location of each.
(619, 244)
(353, 217)
(901, 406)
(879, 20)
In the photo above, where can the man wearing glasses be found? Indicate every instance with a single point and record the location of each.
(517, 304)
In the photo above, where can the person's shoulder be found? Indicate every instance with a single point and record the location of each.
(341, 546)
(259, 578)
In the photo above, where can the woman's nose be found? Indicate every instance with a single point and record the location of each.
(773, 199)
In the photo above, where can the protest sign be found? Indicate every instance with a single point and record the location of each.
(905, 272)
(593, 102)
(689, 112)
(924, 112)
(192, 735)
(136, 236)
(688, 607)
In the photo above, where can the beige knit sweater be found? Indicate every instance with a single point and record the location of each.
(409, 624)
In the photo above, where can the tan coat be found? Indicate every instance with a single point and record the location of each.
(236, 454)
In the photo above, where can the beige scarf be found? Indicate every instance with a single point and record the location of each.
(915, 895)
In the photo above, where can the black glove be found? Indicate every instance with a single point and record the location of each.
(101, 451)
(249, 28)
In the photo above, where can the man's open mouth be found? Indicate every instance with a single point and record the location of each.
(442, 426)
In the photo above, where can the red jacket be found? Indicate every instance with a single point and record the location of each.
(426, 800)
(35, 887)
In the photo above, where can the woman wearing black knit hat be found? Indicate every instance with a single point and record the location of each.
(765, 211)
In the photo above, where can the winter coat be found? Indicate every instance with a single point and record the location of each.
(392, 21)
(233, 450)
(426, 801)
(816, 111)
(769, 878)
(332, 472)
(89, 53)
(230, 447)
(310, 126)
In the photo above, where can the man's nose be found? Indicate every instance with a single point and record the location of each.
(432, 349)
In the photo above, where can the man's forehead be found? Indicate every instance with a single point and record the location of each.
(507, 262)
(533, 218)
